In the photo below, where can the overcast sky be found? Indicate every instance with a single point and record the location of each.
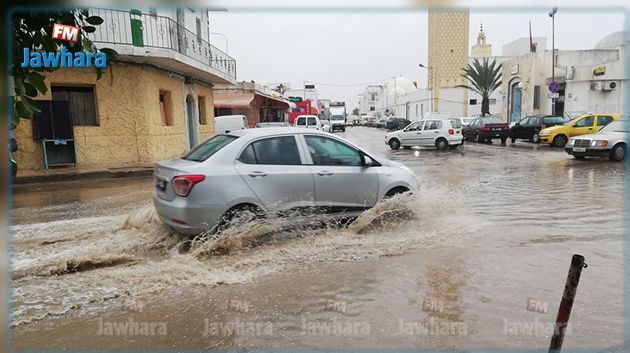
(344, 49)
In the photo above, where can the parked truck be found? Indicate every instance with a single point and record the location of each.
(338, 116)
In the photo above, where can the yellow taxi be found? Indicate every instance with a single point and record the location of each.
(584, 124)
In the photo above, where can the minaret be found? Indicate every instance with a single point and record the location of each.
(481, 49)
(448, 48)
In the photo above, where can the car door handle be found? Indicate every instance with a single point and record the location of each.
(257, 173)
(325, 173)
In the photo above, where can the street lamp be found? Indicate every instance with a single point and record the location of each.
(552, 14)
(430, 69)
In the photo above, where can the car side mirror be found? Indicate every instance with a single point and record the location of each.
(367, 161)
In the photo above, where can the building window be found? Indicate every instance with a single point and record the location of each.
(492, 101)
(222, 111)
(201, 103)
(372, 109)
(473, 102)
(373, 97)
(536, 97)
(198, 28)
(166, 108)
(81, 103)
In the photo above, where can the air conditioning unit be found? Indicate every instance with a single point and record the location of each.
(597, 86)
(610, 85)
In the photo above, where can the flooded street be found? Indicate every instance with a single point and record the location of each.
(477, 259)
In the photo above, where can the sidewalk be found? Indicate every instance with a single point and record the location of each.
(76, 173)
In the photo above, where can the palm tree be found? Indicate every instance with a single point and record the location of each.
(483, 78)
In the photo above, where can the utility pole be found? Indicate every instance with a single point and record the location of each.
(552, 14)
(430, 72)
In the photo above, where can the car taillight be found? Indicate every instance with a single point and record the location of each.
(451, 131)
(183, 184)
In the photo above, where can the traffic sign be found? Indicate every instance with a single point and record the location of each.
(554, 87)
(554, 95)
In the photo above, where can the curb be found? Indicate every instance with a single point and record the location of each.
(79, 176)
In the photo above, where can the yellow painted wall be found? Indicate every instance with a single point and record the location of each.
(130, 131)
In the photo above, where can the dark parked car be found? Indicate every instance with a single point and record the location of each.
(529, 127)
(487, 128)
(396, 123)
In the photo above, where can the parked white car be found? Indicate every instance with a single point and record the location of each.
(325, 125)
(308, 122)
(610, 141)
(438, 133)
(229, 123)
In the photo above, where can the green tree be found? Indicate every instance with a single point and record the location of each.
(483, 78)
(33, 29)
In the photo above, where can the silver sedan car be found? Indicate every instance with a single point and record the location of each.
(275, 171)
(610, 141)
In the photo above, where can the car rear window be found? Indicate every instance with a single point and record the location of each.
(206, 149)
(554, 120)
(456, 123)
(492, 120)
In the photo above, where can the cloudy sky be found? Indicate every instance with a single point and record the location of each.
(342, 51)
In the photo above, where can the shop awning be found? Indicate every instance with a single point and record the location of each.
(232, 100)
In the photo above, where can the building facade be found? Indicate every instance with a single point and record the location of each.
(589, 81)
(258, 103)
(448, 49)
(154, 102)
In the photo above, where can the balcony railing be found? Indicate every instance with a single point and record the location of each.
(148, 30)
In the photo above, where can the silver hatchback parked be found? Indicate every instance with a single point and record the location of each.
(274, 171)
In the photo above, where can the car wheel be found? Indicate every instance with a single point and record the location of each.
(441, 144)
(581, 158)
(560, 141)
(396, 191)
(618, 153)
(343, 129)
(480, 139)
(238, 215)
(513, 139)
(536, 137)
(394, 144)
(503, 139)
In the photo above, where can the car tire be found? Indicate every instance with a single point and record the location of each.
(560, 141)
(441, 144)
(480, 139)
(396, 191)
(503, 139)
(536, 137)
(343, 129)
(513, 139)
(394, 144)
(618, 153)
(242, 213)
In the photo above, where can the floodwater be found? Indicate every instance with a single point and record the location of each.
(477, 259)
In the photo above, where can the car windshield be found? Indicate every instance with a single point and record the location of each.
(336, 117)
(203, 151)
(492, 120)
(617, 126)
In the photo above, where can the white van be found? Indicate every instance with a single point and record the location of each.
(307, 121)
(227, 123)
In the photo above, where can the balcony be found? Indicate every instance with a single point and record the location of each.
(161, 41)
